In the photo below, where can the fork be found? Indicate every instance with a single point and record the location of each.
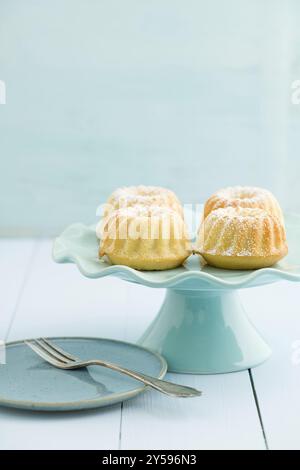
(63, 360)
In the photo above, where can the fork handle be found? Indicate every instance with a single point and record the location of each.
(163, 386)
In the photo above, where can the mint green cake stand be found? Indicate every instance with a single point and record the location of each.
(201, 327)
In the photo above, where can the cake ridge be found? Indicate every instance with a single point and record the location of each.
(244, 196)
(241, 236)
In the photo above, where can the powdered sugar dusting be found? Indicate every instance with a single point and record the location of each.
(244, 192)
(244, 196)
(142, 195)
(243, 232)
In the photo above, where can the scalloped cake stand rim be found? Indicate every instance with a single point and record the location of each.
(61, 254)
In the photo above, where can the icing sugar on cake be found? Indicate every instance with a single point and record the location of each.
(244, 196)
(146, 238)
(242, 238)
(143, 195)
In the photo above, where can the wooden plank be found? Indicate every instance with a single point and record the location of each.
(93, 429)
(57, 300)
(15, 256)
(275, 311)
(225, 417)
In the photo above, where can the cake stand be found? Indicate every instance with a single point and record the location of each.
(201, 327)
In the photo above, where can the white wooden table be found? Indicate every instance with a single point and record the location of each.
(255, 409)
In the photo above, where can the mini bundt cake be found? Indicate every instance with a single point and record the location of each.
(142, 195)
(244, 196)
(145, 238)
(241, 238)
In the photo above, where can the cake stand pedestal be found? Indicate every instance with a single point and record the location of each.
(201, 327)
(205, 332)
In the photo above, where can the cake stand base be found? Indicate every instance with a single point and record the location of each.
(205, 332)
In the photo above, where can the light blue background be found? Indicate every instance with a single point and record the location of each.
(192, 95)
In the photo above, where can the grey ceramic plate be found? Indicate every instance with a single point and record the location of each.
(26, 381)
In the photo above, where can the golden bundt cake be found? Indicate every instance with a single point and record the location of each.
(241, 238)
(145, 238)
(144, 196)
(244, 196)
